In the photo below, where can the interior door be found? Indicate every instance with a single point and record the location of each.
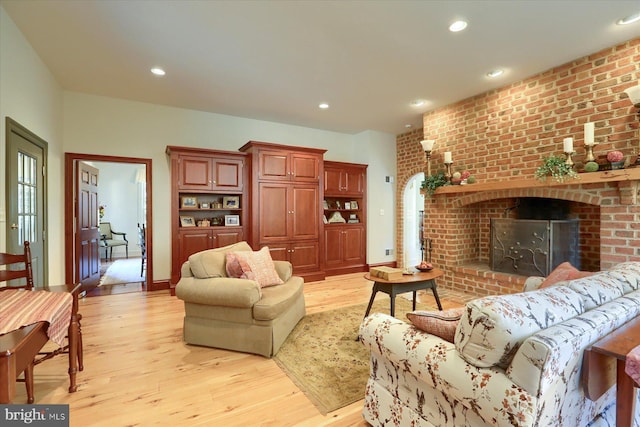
(26, 197)
(87, 241)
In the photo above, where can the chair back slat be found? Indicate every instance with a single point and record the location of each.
(17, 267)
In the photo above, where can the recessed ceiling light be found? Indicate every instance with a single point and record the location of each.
(495, 73)
(629, 19)
(158, 71)
(418, 103)
(408, 125)
(458, 26)
(324, 106)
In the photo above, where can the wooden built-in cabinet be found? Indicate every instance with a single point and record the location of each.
(345, 187)
(286, 205)
(208, 202)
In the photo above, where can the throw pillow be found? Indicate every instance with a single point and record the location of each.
(439, 323)
(564, 271)
(258, 266)
(233, 267)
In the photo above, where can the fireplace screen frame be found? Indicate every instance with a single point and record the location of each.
(533, 247)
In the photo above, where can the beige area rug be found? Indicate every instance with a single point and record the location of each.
(323, 358)
(122, 271)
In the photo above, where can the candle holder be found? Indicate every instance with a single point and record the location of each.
(569, 160)
(447, 173)
(428, 162)
(590, 157)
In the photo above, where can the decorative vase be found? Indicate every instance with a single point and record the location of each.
(617, 165)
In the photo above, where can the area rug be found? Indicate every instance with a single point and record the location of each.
(122, 271)
(323, 358)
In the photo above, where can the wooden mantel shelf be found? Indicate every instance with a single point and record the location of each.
(630, 174)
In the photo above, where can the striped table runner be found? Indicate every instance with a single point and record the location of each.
(20, 308)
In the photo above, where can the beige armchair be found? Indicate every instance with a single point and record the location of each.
(236, 314)
(108, 240)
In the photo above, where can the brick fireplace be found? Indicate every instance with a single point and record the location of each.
(501, 137)
(606, 203)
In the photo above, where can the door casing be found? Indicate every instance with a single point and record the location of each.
(70, 160)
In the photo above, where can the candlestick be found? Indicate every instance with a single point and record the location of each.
(447, 157)
(447, 173)
(568, 145)
(590, 157)
(569, 160)
(589, 138)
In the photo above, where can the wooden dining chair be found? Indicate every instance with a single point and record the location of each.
(18, 268)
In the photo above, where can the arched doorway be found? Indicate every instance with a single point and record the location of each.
(413, 203)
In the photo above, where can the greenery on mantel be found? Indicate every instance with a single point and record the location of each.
(432, 182)
(555, 167)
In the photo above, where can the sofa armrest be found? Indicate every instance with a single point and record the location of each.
(219, 291)
(532, 283)
(284, 269)
(438, 365)
(185, 270)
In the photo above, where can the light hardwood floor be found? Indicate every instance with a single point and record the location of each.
(139, 372)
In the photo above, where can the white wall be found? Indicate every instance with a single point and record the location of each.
(30, 95)
(81, 123)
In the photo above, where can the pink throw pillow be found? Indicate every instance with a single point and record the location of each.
(258, 266)
(440, 323)
(559, 274)
(233, 266)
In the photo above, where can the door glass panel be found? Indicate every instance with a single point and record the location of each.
(26, 198)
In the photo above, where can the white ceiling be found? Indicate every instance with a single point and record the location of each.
(277, 60)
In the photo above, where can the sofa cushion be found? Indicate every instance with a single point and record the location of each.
(276, 300)
(598, 289)
(212, 262)
(628, 273)
(492, 328)
(257, 266)
(439, 323)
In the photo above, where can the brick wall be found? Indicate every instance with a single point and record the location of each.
(502, 135)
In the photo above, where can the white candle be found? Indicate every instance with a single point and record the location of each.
(588, 133)
(427, 144)
(447, 157)
(568, 145)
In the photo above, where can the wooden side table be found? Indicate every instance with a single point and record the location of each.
(598, 372)
(407, 283)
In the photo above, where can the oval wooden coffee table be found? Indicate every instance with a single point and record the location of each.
(407, 283)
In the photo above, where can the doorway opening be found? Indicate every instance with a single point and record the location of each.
(413, 202)
(120, 175)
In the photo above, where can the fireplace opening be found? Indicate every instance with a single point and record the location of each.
(540, 237)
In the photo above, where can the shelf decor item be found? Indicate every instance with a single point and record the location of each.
(232, 220)
(205, 205)
(432, 182)
(189, 202)
(231, 202)
(616, 159)
(557, 168)
(187, 221)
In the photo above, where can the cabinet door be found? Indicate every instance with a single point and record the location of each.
(332, 181)
(305, 167)
(278, 252)
(227, 237)
(273, 165)
(273, 211)
(354, 182)
(332, 246)
(353, 251)
(305, 221)
(192, 241)
(227, 174)
(305, 256)
(195, 173)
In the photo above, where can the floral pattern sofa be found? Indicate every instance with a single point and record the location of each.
(516, 359)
